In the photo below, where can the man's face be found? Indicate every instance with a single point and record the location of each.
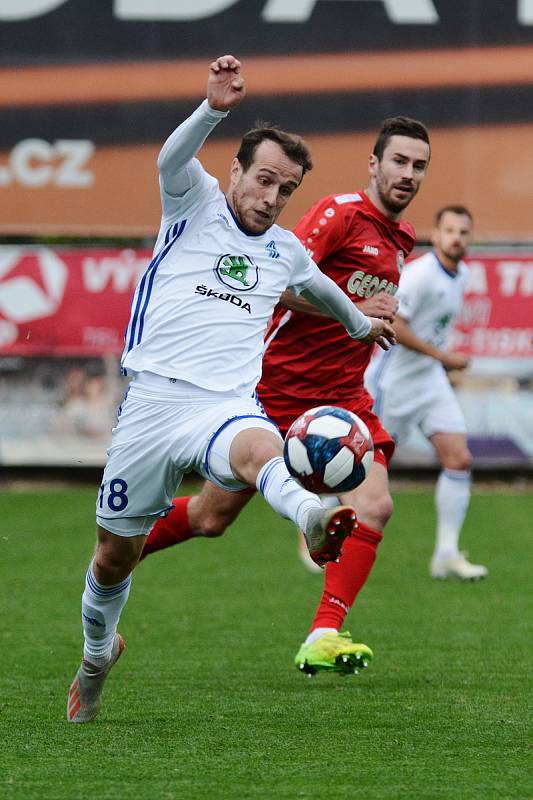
(397, 177)
(452, 236)
(259, 195)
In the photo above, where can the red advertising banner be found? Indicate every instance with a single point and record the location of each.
(497, 316)
(69, 302)
(66, 302)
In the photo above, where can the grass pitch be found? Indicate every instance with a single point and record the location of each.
(206, 701)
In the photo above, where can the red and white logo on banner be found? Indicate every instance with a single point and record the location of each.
(32, 285)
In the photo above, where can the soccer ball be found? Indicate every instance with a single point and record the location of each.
(328, 450)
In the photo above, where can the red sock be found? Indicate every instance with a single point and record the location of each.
(345, 580)
(169, 530)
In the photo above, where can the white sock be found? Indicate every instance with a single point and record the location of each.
(329, 500)
(317, 633)
(100, 613)
(282, 492)
(452, 496)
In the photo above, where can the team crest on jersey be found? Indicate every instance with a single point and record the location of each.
(400, 260)
(271, 249)
(238, 273)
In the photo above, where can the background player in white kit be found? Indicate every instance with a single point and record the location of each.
(193, 348)
(410, 385)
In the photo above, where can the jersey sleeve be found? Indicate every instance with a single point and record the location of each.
(180, 174)
(322, 229)
(411, 289)
(304, 269)
(329, 298)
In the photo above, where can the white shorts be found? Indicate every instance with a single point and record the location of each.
(165, 429)
(430, 405)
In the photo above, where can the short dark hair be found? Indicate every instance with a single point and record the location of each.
(454, 209)
(399, 126)
(292, 145)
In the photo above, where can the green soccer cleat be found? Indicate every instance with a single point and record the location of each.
(333, 652)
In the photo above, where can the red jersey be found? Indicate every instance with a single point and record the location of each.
(310, 357)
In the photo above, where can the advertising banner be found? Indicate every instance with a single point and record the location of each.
(57, 301)
(63, 313)
(90, 91)
(496, 320)
(66, 302)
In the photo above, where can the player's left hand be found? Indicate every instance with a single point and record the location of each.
(381, 333)
(380, 305)
(225, 87)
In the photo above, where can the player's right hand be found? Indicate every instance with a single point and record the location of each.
(381, 333)
(452, 361)
(225, 87)
(380, 305)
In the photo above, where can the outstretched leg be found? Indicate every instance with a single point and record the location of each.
(256, 456)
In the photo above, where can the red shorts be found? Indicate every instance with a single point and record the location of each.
(284, 410)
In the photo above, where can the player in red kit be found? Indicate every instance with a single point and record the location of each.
(307, 361)
(360, 242)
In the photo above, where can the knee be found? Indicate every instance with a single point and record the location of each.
(384, 508)
(115, 558)
(110, 569)
(251, 450)
(461, 461)
(376, 511)
(206, 518)
(466, 460)
(213, 525)
(261, 453)
(213, 510)
(464, 463)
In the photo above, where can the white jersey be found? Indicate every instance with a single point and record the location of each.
(200, 311)
(429, 298)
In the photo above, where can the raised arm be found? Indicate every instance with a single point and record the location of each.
(225, 90)
(225, 86)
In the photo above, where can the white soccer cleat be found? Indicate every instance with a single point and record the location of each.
(305, 558)
(326, 530)
(457, 566)
(85, 694)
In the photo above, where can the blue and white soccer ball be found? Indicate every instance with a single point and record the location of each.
(328, 450)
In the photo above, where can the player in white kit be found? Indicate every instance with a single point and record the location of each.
(193, 349)
(411, 387)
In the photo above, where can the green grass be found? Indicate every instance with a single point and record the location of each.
(206, 702)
